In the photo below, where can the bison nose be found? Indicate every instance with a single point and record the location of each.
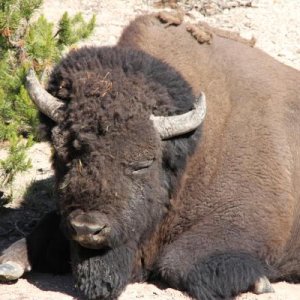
(89, 229)
(85, 225)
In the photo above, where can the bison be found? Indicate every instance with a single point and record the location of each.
(150, 186)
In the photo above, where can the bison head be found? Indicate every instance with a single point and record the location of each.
(122, 125)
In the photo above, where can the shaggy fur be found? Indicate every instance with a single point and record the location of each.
(102, 274)
(136, 81)
(218, 276)
(210, 212)
(110, 94)
(223, 276)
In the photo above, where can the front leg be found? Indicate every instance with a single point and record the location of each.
(211, 274)
(102, 274)
(14, 261)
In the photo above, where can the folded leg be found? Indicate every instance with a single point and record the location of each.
(217, 275)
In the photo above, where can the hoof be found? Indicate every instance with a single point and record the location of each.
(10, 271)
(262, 286)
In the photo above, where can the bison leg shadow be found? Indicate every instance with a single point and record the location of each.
(215, 277)
(48, 249)
(44, 250)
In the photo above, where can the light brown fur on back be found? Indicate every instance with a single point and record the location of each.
(242, 183)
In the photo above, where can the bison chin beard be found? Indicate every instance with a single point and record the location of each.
(102, 275)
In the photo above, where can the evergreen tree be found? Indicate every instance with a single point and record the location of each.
(24, 45)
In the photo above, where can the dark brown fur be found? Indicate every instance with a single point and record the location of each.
(219, 207)
(110, 94)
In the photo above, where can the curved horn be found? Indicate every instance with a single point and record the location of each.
(45, 102)
(176, 125)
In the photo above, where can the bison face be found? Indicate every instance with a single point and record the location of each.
(113, 188)
(121, 137)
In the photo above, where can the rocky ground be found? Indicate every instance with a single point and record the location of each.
(276, 26)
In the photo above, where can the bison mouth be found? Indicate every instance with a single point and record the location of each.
(96, 240)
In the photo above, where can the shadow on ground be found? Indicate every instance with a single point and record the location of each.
(17, 222)
(47, 282)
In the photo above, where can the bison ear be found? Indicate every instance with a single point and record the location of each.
(172, 126)
(45, 102)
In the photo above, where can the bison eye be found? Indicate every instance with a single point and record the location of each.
(140, 167)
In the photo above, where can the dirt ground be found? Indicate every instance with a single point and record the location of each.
(276, 26)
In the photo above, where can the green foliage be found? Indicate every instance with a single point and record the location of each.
(17, 112)
(27, 7)
(26, 114)
(12, 11)
(35, 45)
(40, 43)
(72, 30)
(23, 45)
(16, 161)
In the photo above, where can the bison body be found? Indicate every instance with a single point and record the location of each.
(213, 210)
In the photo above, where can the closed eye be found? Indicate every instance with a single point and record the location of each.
(139, 167)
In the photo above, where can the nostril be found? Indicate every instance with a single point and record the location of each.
(85, 228)
(99, 230)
